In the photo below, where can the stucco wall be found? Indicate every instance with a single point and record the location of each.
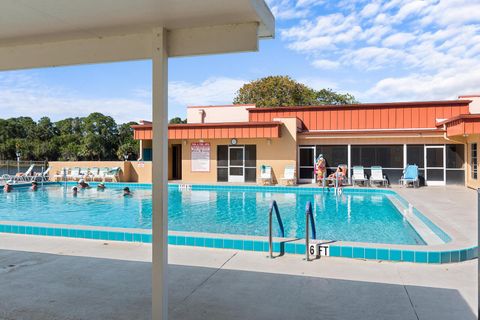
(217, 114)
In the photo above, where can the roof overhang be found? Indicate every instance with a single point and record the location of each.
(238, 130)
(461, 125)
(44, 33)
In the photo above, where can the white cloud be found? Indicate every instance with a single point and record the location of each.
(218, 90)
(426, 44)
(398, 39)
(292, 9)
(22, 94)
(370, 9)
(445, 84)
(325, 64)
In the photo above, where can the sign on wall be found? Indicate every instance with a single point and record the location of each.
(200, 156)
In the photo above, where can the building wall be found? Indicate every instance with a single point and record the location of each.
(218, 114)
(356, 118)
(475, 104)
(276, 152)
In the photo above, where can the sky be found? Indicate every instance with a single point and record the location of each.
(379, 51)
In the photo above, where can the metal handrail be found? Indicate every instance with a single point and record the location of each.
(273, 206)
(309, 221)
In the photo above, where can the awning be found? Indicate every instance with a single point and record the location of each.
(239, 130)
(461, 125)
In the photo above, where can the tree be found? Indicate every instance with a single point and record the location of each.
(279, 91)
(127, 145)
(177, 120)
(100, 139)
(96, 137)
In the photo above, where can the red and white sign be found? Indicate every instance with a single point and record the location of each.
(200, 156)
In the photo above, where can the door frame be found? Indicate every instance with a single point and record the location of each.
(299, 166)
(236, 178)
(435, 183)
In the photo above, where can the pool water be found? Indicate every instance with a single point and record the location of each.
(356, 216)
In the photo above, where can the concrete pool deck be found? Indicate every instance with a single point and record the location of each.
(61, 278)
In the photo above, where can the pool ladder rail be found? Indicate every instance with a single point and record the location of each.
(274, 207)
(309, 221)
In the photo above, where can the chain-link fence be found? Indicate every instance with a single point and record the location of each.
(12, 167)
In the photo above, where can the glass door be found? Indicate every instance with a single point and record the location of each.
(236, 163)
(435, 165)
(306, 164)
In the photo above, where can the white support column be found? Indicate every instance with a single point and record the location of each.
(404, 156)
(140, 154)
(159, 175)
(349, 162)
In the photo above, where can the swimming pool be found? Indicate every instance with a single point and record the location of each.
(352, 216)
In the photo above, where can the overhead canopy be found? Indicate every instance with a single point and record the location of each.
(45, 33)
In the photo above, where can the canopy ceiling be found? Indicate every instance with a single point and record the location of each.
(32, 30)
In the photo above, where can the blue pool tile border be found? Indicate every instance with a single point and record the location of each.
(220, 242)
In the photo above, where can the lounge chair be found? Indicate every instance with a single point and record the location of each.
(410, 175)
(43, 176)
(377, 176)
(25, 176)
(358, 175)
(289, 175)
(93, 173)
(75, 174)
(59, 175)
(112, 174)
(102, 172)
(266, 175)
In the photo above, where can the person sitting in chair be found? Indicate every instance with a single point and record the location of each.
(338, 176)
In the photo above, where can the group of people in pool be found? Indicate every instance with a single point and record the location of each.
(8, 187)
(100, 187)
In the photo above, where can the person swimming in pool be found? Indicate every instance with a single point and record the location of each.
(127, 192)
(82, 184)
(7, 187)
(34, 186)
(101, 186)
(74, 191)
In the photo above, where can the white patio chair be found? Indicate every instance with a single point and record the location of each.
(377, 176)
(358, 175)
(266, 175)
(289, 175)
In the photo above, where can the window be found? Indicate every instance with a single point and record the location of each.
(415, 154)
(473, 160)
(334, 155)
(222, 163)
(385, 156)
(455, 173)
(250, 163)
(455, 156)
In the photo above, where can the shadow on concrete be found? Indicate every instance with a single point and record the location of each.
(37, 286)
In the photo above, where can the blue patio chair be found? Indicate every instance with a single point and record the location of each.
(410, 175)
